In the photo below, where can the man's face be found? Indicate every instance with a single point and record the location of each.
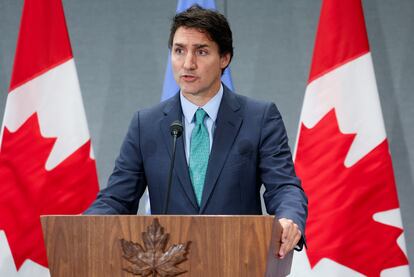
(196, 63)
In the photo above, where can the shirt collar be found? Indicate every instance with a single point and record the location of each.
(211, 107)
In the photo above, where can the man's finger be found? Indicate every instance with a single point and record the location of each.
(281, 253)
(285, 233)
(296, 235)
(289, 238)
(294, 231)
(284, 239)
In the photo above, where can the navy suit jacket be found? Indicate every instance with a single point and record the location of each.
(250, 148)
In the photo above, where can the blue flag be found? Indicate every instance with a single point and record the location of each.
(170, 87)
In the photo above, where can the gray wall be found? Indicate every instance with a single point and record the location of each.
(120, 51)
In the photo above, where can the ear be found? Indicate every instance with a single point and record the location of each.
(224, 60)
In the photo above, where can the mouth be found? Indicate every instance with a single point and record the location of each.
(188, 77)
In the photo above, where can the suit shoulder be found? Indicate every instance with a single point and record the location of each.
(156, 110)
(254, 105)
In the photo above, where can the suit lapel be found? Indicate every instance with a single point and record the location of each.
(228, 123)
(172, 112)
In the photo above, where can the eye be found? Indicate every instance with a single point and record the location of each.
(178, 51)
(202, 52)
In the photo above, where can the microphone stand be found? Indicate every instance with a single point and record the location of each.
(176, 131)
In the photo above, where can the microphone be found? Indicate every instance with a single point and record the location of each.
(176, 129)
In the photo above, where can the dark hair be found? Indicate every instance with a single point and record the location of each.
(213, 23)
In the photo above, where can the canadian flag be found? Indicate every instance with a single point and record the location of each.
(46, 159)
(342, 156)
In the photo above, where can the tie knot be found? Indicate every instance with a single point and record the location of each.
(199, 115)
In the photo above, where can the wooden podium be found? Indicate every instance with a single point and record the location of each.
(210, 246)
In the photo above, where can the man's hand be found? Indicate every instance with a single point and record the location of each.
(290, 237)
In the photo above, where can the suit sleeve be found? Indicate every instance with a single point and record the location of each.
(127, 181)
(284, 196)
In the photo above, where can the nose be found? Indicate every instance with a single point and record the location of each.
(190, 62)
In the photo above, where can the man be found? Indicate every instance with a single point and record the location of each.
(231, 144)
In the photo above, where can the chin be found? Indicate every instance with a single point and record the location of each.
(189, 90)
(186, 92)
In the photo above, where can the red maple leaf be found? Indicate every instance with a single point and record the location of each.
(342, 201)
(28, 190)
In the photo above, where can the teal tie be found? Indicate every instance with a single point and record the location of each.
(199, 153)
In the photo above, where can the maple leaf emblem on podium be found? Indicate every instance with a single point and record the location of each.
(151, 259)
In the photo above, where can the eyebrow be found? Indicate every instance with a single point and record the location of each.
(197, 46)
